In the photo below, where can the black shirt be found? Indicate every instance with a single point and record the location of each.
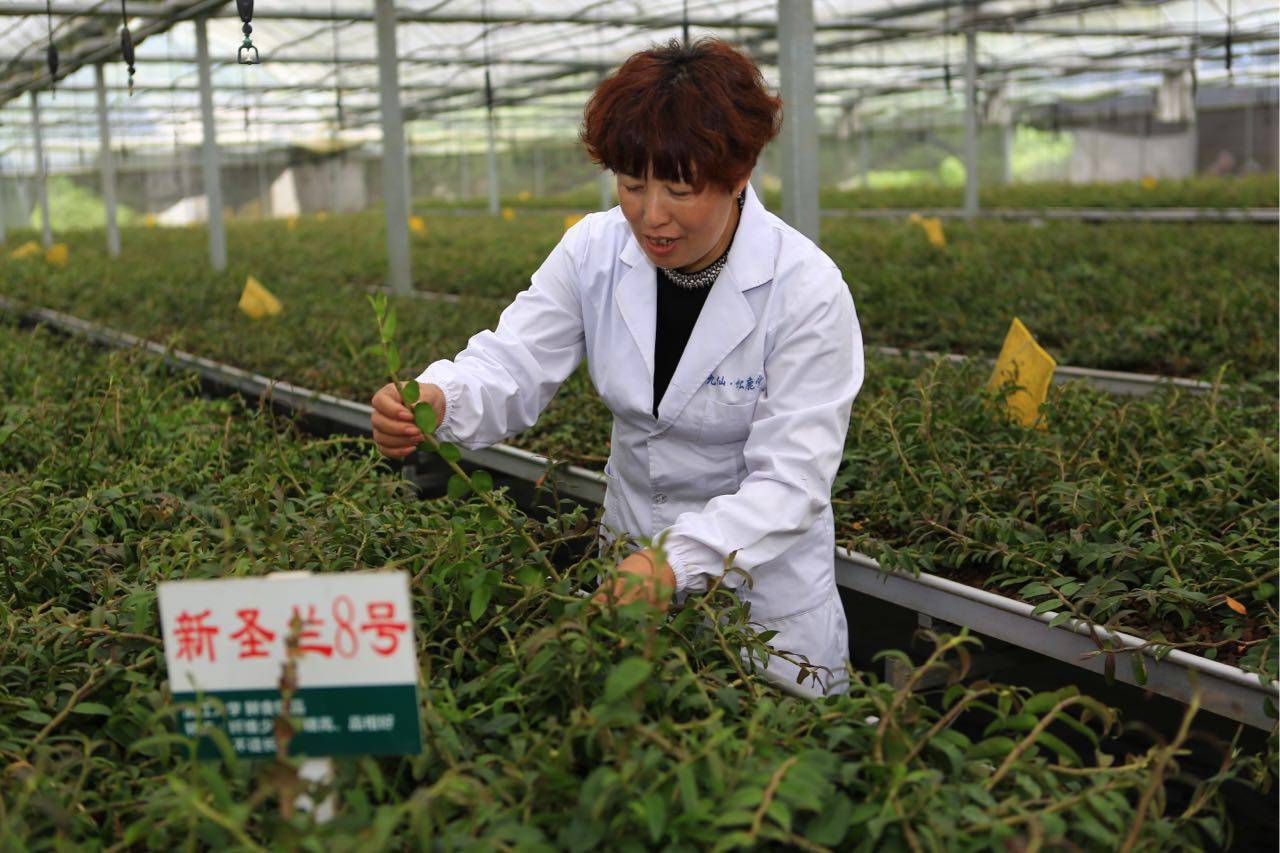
(678, 309)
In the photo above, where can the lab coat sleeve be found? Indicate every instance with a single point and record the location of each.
(794, 446)
(502, 381)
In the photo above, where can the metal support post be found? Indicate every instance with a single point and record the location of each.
(264, 197)
(491, 158)
(209, 153)
(1250, 166)
(864, 156)
(539, 169)
(2, 209)
(1006, 152)
(42, 181)
(800, 130)
(970, 122)
(395, 165)
(106, 160)
(606, 189)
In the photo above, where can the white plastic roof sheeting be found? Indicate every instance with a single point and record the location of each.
(878, 59)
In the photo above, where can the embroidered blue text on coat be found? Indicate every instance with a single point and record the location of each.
(747, 383)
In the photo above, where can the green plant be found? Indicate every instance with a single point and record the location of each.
(548, 721)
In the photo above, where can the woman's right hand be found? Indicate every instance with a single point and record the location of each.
(394, 431)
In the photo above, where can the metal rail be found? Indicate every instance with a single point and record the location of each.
(1225, 690)
(1167, 215)
(1112, 381)
(1248, 215)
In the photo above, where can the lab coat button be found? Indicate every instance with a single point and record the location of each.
(659, 498)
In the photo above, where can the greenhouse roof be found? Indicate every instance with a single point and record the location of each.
(875, 61)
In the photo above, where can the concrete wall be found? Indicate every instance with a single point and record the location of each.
(1111, 155)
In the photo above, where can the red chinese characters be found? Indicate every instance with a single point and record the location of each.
(341, 632)
(308, 633)
(381, 616)
(252, 637)
(195, 639)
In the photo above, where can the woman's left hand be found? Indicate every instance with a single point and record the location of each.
(640, 576)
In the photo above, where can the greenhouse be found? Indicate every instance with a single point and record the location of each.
(504, 424)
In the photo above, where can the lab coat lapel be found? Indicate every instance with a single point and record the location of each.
(726, 317)
(637, 301)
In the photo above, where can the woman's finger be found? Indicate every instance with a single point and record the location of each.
(390, 426)
(392, 442)
(388, 402)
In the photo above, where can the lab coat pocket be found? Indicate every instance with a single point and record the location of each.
(727, 423)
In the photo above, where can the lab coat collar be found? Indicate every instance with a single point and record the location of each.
(752, 256)
(726, 317)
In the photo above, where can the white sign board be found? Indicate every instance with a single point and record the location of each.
(356, 667)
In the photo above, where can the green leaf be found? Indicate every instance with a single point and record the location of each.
(654, 810)
(992, 747)
(37, 717)
(625, 677)
(1060, 619)
(389, 325)
(1042, 702)
(425, 418)
(393, 360)
(483, 481)
(457, 488)
(92, 708)
(450, 452)
(480, 600)
(1045, 606)
(528, 576)
(409, 392)
(831, 824)
(688, 789)
(1139, 668)
(1068, 754)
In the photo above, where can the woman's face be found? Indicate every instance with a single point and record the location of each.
(676, 226)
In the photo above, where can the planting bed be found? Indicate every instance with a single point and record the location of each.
(547, 722)
(1174, 300)
(1141, 515)
(1252, 191)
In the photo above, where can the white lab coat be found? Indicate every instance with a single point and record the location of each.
(749, 433)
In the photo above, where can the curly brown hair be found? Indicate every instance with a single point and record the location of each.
(695, 113)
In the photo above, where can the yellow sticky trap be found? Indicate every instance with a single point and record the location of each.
(1148, 182)
(933, 231)
(1023, 362)
(932, 227)
(321, 216)
(257, 301)
(58, 254)
(291, 223)
(508, 214)
(418, 225)
(149, 220)
(28, 249)
(524, 195)
(571, 220)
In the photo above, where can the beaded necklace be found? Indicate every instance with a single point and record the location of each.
(707, 275)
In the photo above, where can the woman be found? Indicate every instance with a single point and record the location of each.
(724, 341)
